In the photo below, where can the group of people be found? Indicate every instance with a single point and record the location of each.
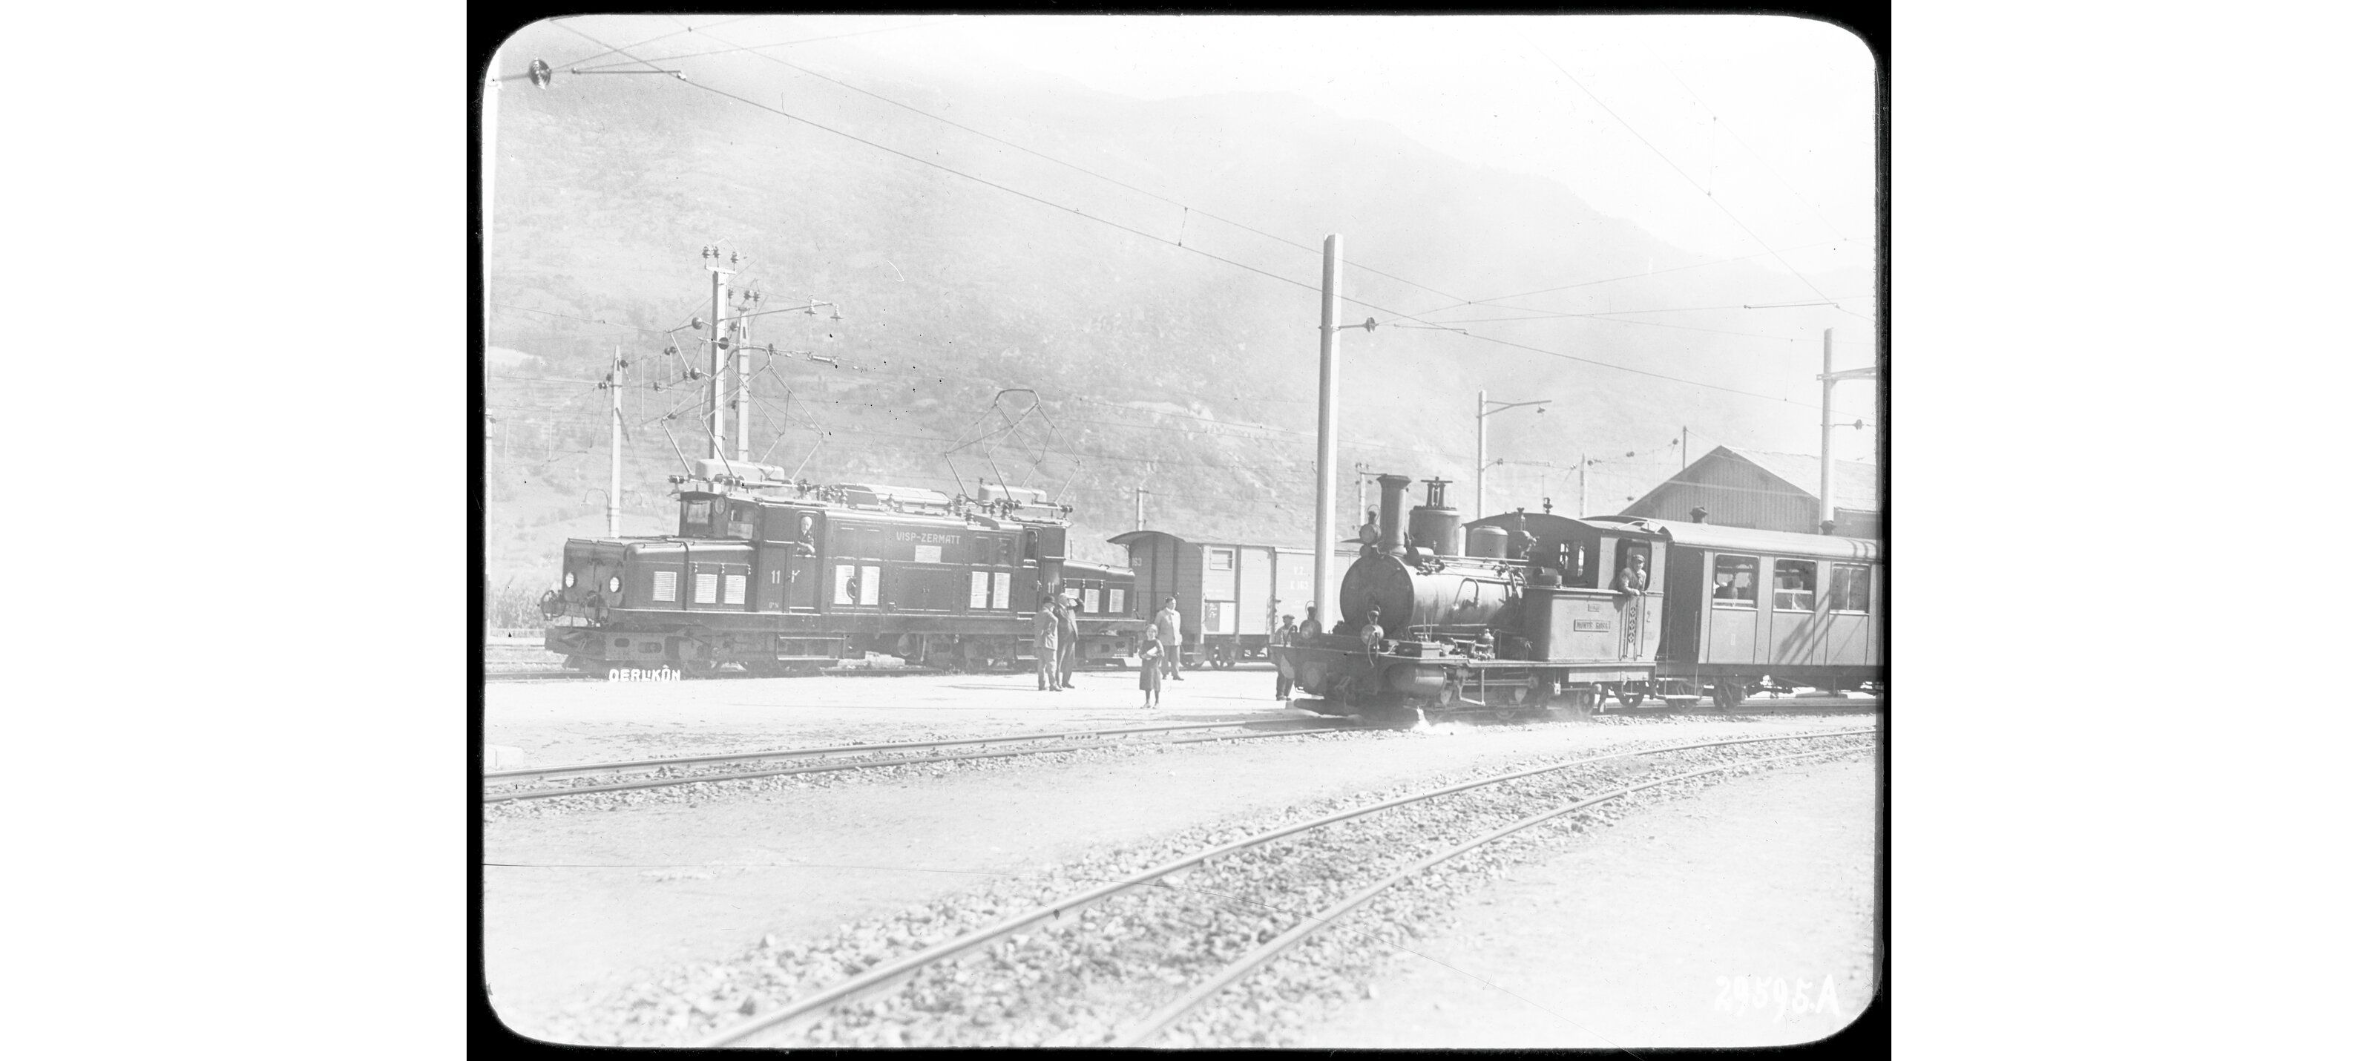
(1158, 658)
(1056, 638)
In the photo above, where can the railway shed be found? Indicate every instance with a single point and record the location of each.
(1767, 491)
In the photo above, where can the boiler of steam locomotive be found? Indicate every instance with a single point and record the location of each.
(1543, 621)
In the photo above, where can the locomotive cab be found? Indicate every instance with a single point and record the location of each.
(1566, 611)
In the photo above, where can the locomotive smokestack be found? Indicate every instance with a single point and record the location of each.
(1395, 489)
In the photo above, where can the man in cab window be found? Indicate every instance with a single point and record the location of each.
(1632, 579)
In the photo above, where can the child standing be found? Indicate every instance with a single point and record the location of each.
(1150, 675)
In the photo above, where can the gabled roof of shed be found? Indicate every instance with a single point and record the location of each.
(1746, 539)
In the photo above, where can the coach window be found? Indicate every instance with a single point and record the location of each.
(1735, 581)
(1846, 587)
(1797, 585)
(1223, 559)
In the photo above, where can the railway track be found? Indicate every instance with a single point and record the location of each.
(939, 958)
(508, 785)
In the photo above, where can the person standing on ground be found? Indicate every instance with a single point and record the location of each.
(1166, 624)
(1278, 640)
(1068, 639)
(1044, 644)
(1150, 674)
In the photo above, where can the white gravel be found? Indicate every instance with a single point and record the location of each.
(1077, 981)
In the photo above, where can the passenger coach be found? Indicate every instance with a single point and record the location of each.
(1740, 608)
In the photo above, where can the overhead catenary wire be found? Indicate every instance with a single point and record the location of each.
(1740, 142)
(1186, 210)
(1674, 168)
(733, 49)
(1075, 211)
(1248, 267)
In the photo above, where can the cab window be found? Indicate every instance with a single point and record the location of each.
(1626, 548)
(1735, 581)
(740, 521)
(696, 517)
(1797, 585)
(1846, 587)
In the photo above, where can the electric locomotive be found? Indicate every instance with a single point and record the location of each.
(770, 573)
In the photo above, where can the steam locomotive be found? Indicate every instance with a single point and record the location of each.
(769, 574)
(1523, 612)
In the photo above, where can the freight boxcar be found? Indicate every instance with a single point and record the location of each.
(1231, 594)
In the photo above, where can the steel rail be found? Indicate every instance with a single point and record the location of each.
(1162, 1019)
(851, 749)
(892, 973)
(867, 764)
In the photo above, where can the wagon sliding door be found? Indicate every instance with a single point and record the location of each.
(1254, 597)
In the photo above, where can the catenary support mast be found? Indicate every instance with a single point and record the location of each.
(1330, 383)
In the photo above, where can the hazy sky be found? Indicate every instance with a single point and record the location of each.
(1487, 90)
(1723, 135)
(1772, 116)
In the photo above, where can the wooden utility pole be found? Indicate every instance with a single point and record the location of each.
(1583, 512)
(1330, 385)
(614, 447)
(719, 427)
(1481, 446)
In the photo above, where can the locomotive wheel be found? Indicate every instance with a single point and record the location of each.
(1221, 658)
(1726, 694)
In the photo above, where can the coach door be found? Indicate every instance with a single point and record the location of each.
(785, 575)
(853, 573)
(1732, 624)
(807, 542)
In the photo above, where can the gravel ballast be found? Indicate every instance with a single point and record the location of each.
(1083, 977)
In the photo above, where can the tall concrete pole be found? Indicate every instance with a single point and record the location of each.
(1330, 385)
(1826, 441)
(719, 429)
(1481, 448)
(614, 447)
(1140, 492)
